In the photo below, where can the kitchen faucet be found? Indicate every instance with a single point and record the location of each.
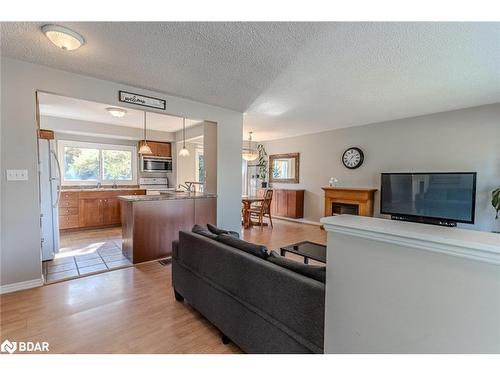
(191, 185)
(187, 186)
(98, 186)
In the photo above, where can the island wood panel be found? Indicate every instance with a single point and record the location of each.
(127, 219)
(150, 227)
(205, 211)
(156, 224)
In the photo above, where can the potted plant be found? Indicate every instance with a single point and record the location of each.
(495, 201)
(262, 164)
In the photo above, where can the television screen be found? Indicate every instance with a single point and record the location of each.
(447, 196)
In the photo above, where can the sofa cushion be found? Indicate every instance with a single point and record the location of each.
(314, 272)
(217, 231)
(198, 229)
(248, 247)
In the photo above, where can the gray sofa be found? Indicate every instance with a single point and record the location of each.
(260, 306)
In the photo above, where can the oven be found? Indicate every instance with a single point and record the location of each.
(156, 164)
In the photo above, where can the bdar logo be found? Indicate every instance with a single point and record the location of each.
(8, 347)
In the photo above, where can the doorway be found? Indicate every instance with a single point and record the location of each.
(88, 159)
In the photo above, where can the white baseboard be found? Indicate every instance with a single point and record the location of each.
(299, 221)
(9, 288)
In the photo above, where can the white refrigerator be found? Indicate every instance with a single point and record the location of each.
(50, 193)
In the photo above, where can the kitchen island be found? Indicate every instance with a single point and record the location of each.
(151, 222)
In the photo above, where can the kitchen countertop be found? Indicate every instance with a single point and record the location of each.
(163, 197)
(77, 190)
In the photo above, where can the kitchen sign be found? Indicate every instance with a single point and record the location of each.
(145, 101)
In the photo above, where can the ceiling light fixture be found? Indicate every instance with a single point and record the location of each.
(116, 112)
(145, 149)
(184, 151)
(63, 37)
(249, 153)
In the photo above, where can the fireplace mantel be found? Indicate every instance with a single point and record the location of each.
(362, 197)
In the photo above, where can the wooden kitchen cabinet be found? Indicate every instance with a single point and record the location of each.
(164, 149)
(90, 212)
(68, 210)
(286, 203)
(91, 209)
(161, 149)
(111, 211)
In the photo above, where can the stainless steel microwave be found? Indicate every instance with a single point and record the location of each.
(155, 164)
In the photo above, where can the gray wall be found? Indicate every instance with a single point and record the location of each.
(20, 228)
(461, 140)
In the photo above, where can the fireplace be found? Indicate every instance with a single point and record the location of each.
(345, 208)
(352, 201)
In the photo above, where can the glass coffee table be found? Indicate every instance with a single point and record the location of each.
(308, 250)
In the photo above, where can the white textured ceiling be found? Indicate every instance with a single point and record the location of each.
(224, 64)
(290, 78)
(362, 73)
(77, 109)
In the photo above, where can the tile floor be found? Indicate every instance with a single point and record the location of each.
(86, 252)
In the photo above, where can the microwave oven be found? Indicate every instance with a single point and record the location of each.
(155, 164)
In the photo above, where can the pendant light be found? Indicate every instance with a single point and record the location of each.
(249, 154)
(145, 149)
(184, 151)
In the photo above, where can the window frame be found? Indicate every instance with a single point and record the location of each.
(61, 144)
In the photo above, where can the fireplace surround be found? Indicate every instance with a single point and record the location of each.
(353, 201)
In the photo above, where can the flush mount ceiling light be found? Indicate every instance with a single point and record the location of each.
(63, 37)
(184, 151)
(145, 149)
(116, 112)
(249, 153)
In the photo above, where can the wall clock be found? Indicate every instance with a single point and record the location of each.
(353, 158)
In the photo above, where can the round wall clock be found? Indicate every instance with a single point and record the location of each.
(353, 158)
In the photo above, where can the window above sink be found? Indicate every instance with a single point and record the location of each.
(85, 163)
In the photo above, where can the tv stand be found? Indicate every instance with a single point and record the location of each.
(425, 220)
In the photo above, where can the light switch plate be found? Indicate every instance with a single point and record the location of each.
(17, 174)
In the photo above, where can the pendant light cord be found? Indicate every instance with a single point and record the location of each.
(145, 128)
(184, 131)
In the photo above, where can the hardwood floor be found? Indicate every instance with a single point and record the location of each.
(130, 310)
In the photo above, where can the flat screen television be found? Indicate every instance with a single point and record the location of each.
(433, 198)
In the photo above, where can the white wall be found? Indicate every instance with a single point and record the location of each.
(401, 295)
(210, 156)
(186, 167)
(98, 129)
(461, 140)
(20, 232)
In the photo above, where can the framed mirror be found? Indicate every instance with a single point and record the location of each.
(284, 168)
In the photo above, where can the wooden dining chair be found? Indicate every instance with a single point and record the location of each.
(264, 209)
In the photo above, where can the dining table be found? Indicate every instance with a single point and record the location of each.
(247, 203)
